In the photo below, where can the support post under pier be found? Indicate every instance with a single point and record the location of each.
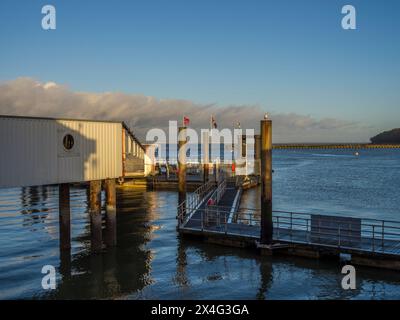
(182, 166)
(266, 181)
(111, 213)
(64, 217)
(206, 155)
(95, 215)
(257, 154)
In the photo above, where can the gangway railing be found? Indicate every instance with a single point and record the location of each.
(211, 209)
(366, 234)
(370, 235)
(193, 201)
(218, 193)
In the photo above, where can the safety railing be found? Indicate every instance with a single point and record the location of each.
(371, 235)
(193, 201)
(364, 234)
(211, 218)
(218, 193)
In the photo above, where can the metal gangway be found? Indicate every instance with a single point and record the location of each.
(203, 206)
(194, 201)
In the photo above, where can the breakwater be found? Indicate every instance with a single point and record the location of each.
(336, 146)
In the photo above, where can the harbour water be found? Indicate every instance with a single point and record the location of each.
(151, 261)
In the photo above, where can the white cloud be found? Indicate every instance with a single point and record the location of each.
(49, 85)
(29, 97)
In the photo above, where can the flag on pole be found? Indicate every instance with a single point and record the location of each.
(186, 121)
(213, 123)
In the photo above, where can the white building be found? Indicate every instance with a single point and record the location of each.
(40, 151)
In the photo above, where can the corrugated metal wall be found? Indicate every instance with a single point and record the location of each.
(32, 151)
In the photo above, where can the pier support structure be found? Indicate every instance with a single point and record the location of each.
(206, 155)
(243, 147)
(111, 213)
(65, 229)
(95, 215)
(205, 172)
(64, 217)
(266, 181)
(216, 171)
(182, 165)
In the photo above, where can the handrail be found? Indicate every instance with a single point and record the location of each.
(372, 240)
(378, 222)
(373, 234)
(188, 206)
(325, 215)
(219, 192)
(213, 206)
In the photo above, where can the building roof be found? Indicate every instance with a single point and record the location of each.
(50, 118)
(124, 125)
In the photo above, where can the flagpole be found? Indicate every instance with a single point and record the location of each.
(209, 142)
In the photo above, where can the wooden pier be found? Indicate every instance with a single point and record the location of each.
(100, 153)
(212, 213)
(369, 242)
(69, 151)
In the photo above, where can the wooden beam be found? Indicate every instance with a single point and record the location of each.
(266, 182)
(95, 215)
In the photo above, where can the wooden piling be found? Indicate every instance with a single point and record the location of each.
(244, 146)
(266, 181)
(217, 173)
(182, 165)
(64, 217)
(205, 172)
(206, 156)
(65, 263)
(111, 213)
(95, 215)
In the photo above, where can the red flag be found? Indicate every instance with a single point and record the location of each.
(186, 121)
(213, 123)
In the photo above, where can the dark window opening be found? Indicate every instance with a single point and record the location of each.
(68, 142)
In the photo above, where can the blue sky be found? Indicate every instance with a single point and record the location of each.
(285, 56)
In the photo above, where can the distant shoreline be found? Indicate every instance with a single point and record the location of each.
(334, 146)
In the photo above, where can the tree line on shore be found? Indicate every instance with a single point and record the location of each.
(389, 137)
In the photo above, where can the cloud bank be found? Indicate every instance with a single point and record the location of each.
(29, 97)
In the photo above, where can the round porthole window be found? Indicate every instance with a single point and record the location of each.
(68, 142)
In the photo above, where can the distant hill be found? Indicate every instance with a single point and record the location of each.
(392, 136)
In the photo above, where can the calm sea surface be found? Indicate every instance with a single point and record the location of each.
(152, 262)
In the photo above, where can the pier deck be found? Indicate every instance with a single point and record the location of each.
(288, 236)
(370, 242)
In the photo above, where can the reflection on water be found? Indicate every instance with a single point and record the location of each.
(118, 271)
(152, 261)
